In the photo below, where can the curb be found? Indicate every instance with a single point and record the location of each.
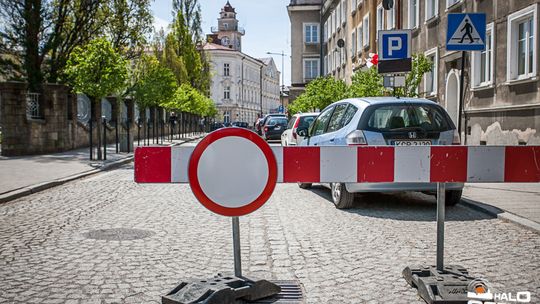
(501, 214)
(21, 192)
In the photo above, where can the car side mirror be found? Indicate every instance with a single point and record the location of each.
(302, 131)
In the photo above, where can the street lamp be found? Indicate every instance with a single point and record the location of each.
(282, 54)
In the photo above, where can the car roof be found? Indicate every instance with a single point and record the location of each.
(365, 101)
(306, 114)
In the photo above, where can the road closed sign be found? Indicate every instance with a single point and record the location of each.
(232, 172)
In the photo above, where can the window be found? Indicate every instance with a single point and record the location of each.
(338, 15)
(325, 31)
(225, 40)
(353, 43)
(365, 31)
(226, 69)
(226, 26)
(522, 44)
(430, 78)
(380, 16)
(335, 19)
(432, 9)
(335, 121)
(414, 14)
(450, 3)
(227, 93)
(343, 11)
(349, 114)
(412, 116)
(322, 121)
(390, 18)
(311, 33)
(482, 62)
(360, 40)
(311, 69)
(326, 64)
(354, 4)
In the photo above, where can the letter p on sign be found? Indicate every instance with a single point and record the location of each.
(395, 45)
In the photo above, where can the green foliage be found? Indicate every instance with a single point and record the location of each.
(191, 9)
(188, 99)
(155, 84)
(319, 93)
(96, 69)
(366, 83)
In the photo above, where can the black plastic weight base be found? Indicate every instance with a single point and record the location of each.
(435, 287)
(220, 290)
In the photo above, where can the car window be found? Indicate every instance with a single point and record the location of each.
(306, 121)
(335, 121)
(349, 114)
(291, 122)
(321, 122)
(281, 121)
(402, 117)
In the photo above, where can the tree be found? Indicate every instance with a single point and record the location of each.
(366, 83)
(420, 65)
(155, 84)
(191, 10)
(97, 70)
(319, 93)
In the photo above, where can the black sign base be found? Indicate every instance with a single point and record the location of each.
(394, 66)
(220, 290)
(436, 287)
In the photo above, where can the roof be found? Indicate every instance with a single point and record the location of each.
(266, 61)
(212, 46)
(305, 2)
(228, 8)
(391, 99)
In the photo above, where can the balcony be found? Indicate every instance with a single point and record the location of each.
(215, 29)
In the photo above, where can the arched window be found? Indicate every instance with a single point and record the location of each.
(225, 40)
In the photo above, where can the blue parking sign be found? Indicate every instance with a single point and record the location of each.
(394, 45)
(466, 32)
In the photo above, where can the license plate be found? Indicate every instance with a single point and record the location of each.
(412, 143)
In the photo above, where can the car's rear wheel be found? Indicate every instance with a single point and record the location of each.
(304, 185)
(452, 197)
(342, 198)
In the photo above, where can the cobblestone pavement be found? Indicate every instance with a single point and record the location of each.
(356, 256)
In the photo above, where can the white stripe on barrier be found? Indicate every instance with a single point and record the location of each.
(338, 164)
(179, 163)
(478, 157)
(278, 153)
(412, 164)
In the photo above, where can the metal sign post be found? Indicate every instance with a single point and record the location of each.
(236, 246)
(441, 188)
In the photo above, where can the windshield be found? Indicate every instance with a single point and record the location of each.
(406, 116)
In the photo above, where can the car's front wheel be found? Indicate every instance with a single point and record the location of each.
(342, 198)
(304, 185)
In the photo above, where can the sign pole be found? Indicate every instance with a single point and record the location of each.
(236, 246)
(461, 92)
(441, 189)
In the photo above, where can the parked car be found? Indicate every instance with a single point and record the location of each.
(240, 124)
(274, 127)
(265, 118)
(383, 121)
(300, 120)
(216, 125)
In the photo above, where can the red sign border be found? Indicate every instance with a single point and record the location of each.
(194, 178)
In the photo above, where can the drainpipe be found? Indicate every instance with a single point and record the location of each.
(261, 86)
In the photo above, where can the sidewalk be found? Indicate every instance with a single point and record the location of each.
(23, 175)
(515, 202)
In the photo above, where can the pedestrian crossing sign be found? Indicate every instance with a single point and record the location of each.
(466, 32)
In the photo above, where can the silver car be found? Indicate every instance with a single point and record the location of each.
(380, 121)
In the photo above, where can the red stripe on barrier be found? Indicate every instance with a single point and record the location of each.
(375, 164)
(153, 165)
(301, 164)
(448, 164)
(522, 164)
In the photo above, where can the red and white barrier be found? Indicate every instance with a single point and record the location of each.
(471, 164)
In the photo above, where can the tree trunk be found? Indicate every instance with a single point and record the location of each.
(32, 62)
(97, 107)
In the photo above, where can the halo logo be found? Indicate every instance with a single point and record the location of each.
(479, 292)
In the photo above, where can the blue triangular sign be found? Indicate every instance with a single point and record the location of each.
(466, 32)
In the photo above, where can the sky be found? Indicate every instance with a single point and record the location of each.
(266, 23)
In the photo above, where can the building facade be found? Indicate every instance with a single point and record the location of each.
(501, 84)
(242, 87)
(305, 17)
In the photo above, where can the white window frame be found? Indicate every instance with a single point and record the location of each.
(325, 31)
(450, 3)
(365, 31)
(325, 64)
(354, 5)
(476, 61)
(311, 25)
(226, 69)
(434, 52)
(512, 36)
(343, 12)
(360, 38)
(417, 14)
(227, 92)
(354, 41)
(391, 23)
(427, 4)
(338, 17)
(379, 18)
(316, 60)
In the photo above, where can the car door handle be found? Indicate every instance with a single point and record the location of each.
(332, 140)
